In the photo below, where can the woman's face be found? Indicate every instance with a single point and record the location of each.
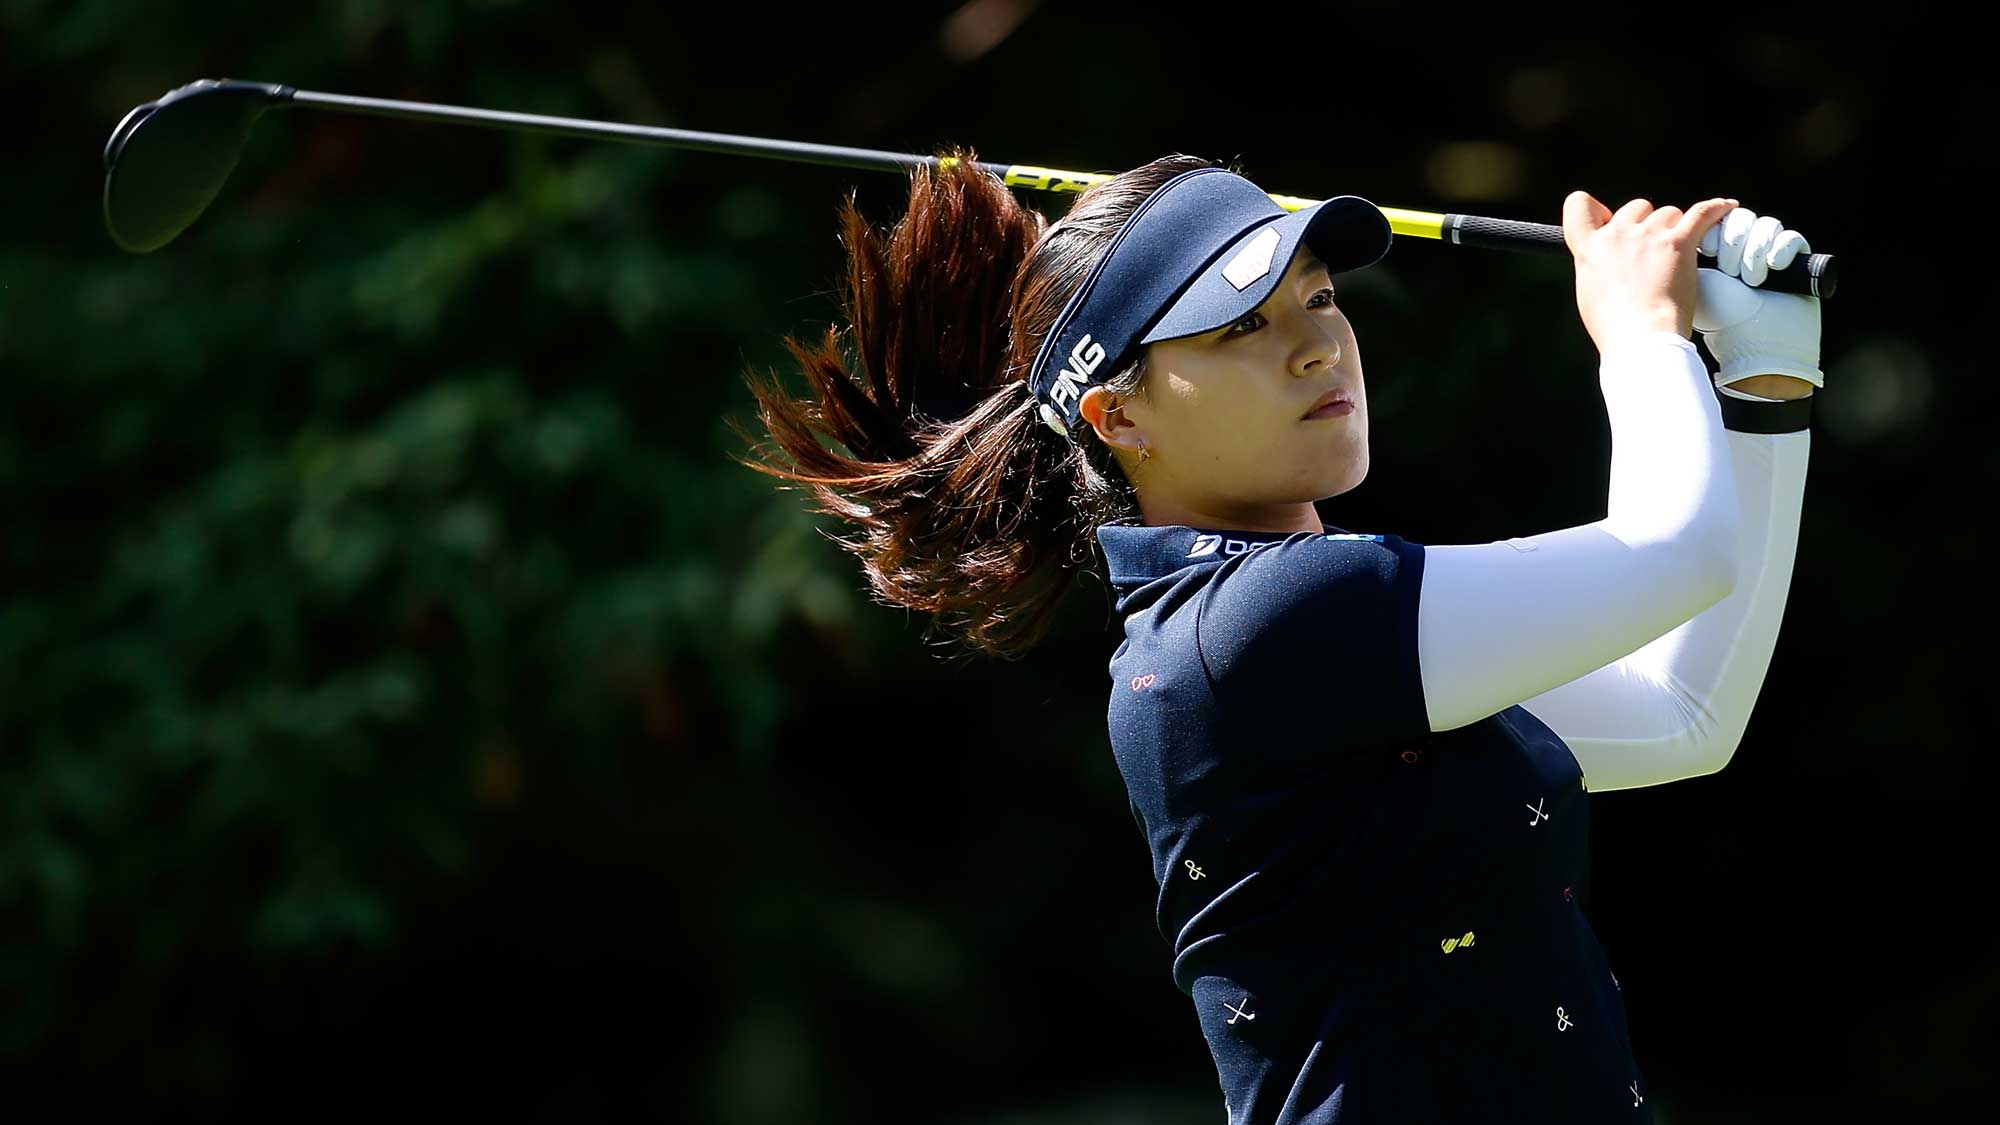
(1224, 414)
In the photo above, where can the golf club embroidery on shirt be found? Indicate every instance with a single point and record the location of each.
(1239, 1010)
(1636, 1099)
(1539, 816)
(1563, 1022)
(1193, 871)
(1450, 944)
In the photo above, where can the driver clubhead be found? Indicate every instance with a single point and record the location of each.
(168, 159)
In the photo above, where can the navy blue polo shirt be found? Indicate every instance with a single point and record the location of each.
(1376, 923)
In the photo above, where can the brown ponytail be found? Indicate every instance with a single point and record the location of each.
(964, 504)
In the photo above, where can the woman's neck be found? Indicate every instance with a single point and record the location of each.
(1278, 518)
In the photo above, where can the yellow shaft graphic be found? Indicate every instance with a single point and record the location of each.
(1415, 224)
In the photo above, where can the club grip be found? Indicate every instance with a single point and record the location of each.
(1813, 275)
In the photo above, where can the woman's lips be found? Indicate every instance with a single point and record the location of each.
(1332, 410)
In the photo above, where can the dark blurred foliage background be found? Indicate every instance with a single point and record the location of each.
(406, 703)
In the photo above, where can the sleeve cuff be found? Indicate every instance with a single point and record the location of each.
(1752, 414)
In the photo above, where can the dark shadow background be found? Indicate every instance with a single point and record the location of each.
(405, 704)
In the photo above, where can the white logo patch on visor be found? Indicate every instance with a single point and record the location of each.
(1253, 261)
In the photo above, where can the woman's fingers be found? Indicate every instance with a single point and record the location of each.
(1703, 220)
(1757, 249)
(1633, 212)
(1729, 255)
(1582, 214)
(1790, 245)
(1749, 246)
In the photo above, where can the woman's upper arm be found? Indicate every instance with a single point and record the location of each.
(1324, 624)
(1390, 639)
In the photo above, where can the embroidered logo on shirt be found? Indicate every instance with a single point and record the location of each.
(1350, 537)
(1563, 1022)
(1239, 1011)
(1539, 816)
(1141, 683)
(1206, 545)
(1193, 871)
(1450, 944)
(1636, 1099)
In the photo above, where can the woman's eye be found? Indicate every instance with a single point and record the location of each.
(1245, 326)
(1254, 321)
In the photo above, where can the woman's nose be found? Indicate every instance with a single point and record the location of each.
(1320, 348)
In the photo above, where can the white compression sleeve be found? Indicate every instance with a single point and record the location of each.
(1500, 623)
(1677, 707)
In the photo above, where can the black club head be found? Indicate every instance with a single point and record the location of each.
(168, 159)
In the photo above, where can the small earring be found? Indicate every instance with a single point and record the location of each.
(1142, 450)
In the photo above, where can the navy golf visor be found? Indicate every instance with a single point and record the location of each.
(1198, 254)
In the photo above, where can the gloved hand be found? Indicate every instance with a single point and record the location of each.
(1748, 330)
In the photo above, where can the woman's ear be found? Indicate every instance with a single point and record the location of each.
(1106, 413)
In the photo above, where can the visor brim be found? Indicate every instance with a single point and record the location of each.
(1346, 233)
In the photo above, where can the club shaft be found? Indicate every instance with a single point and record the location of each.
(1419, 224)
(1813, 275)
(798, 151)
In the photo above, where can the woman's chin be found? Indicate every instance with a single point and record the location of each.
(1349, 477)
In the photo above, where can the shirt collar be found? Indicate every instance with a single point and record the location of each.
(1141, 554)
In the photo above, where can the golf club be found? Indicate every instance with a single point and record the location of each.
(167, 160)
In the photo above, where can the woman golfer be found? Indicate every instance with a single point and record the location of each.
(1362, 764)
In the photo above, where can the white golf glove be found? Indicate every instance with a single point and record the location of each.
(1748, 330)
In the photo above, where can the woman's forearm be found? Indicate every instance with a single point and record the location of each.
(1678, 707)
